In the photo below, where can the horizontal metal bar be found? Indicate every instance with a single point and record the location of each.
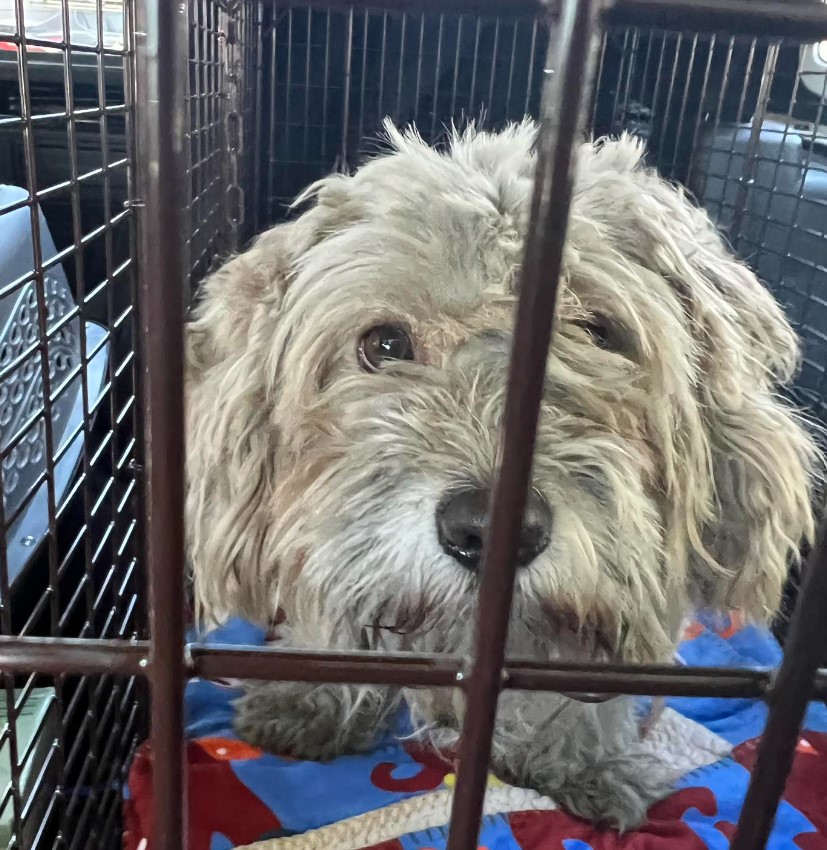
(58, 656)
(804, 20)
(54, 656)
(300, 666)
(29, 41)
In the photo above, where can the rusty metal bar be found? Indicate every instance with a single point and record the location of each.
(444, 671)
(163, 68)
(570, 62)
(55, 656)
(805, 650)
(352, 667)
(58, 655)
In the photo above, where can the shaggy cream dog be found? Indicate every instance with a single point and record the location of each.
(346, 385)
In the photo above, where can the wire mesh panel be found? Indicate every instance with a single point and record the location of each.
(223, 98)
(68, 557)
(738, 121)
(277, 96)
(332, 75)
(206, 109)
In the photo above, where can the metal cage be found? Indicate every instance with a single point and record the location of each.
(141, 143)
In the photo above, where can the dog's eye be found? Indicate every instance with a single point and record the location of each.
(604, 333)
(383, 344)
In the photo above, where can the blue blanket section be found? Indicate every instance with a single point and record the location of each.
(293, 790)
(299, 791)
(209, 705)
(735, 720)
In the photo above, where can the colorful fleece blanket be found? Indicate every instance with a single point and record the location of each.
(398, 797)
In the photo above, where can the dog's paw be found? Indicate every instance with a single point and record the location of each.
(302, 720)
(617, 791)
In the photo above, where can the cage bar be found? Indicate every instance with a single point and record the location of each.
(235, 103)
(163, 355)
(54, 655)
(805, 652)
(569, 65)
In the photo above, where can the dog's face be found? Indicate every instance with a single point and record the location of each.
(346, 387)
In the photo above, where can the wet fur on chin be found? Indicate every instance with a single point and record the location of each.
(675, 473)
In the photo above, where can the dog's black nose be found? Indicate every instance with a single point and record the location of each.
(462, 524)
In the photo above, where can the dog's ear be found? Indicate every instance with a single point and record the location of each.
(231, 299)
(763, 460)
(750, 476)
(233, 354)
(230, 441)
(757, 464)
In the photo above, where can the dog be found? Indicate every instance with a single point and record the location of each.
(345, 387)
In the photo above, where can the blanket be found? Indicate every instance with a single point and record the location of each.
(398, 796)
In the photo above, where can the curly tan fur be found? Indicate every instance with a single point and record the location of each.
(675, 473)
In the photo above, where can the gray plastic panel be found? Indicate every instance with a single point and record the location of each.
(22, 420)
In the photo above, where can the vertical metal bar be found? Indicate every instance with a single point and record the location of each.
(658, 82)
(90, 628)
(201, 88)
(8, 676)
(700, 112)
(630, 75)
(271, 117)
(624, 60)
(111, 311)
(670, 91)
(132, 147)
(532, 57)
(473, 92)
(363, 78)
(30, 156)
(748, 170)
(598, 82)
(804, 652)
(745, 81)
(346, 92)
(215, 35)
(163, 349)
(435, 100)
(306, 116)
(571, 58)
(80, 294)
(396, 114)
(494, 65)
(202, 183)
(514, 33)
(193, 104)
(258, 145)
(286, 156)
(760, 242)
(684, 98)
(742, 98)
(644, 76)
(325, 87)
(457, 60)
(419, 66)
(381, 95)
(30, 161)
(717, 120)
